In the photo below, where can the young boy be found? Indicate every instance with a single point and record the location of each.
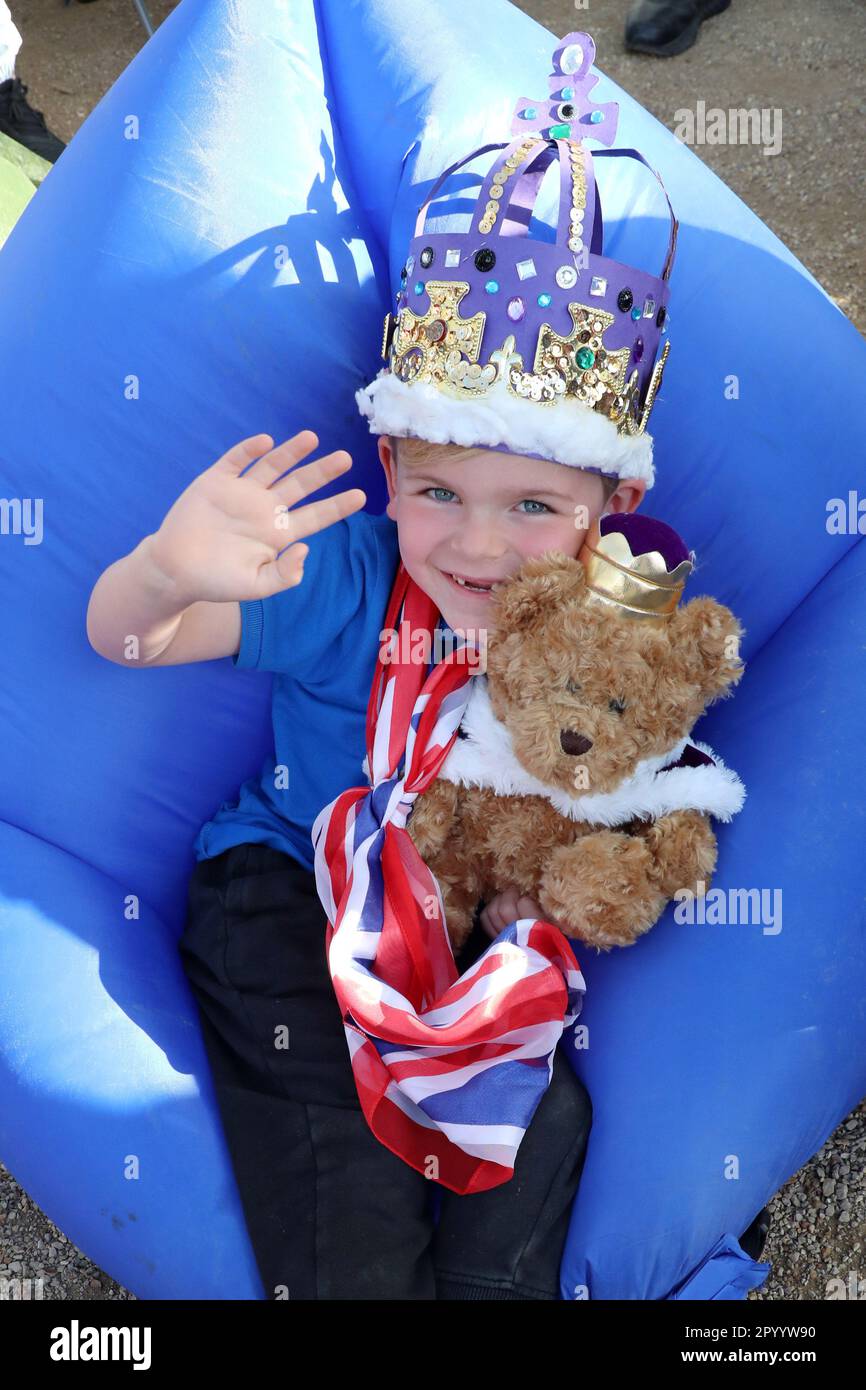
(331, 1212)
(518, 423)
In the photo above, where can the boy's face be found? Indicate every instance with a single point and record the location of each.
(479, 514)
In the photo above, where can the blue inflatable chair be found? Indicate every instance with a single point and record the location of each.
(212, 257)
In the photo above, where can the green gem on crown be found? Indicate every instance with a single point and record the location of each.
(585, 358)
(560, 132)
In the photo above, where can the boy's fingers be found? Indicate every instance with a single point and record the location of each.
(271, 462)
(499, 912)
(305, 521)
(508, 907)
(488, 928)
(302, 481)
(528, 908)
(509, 901)
(282, 573)
(235, 459)
(485, 919)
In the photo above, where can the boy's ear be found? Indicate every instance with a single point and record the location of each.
(389, 468)
(706, 637)
(542, 582)
(386, 457)
(625, 497)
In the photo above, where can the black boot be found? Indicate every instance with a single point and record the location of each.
(18, 119)
(666, 27)
(754, 1239)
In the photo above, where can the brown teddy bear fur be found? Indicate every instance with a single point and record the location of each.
(558, 662)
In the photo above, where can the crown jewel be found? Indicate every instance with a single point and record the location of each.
(541, 347)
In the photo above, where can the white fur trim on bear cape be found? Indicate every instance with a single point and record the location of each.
(486, 758)
(567, 432)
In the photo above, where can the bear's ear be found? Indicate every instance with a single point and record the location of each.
(542, 582)
(705, 636)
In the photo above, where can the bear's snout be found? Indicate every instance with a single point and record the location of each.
(573, 742)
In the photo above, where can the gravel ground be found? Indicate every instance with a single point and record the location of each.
(807, 61)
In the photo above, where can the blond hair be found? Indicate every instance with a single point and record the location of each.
(417, 452)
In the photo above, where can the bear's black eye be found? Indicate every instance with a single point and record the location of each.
(572, 687)
(618, 705)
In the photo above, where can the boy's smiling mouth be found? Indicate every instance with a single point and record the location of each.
(472, 585)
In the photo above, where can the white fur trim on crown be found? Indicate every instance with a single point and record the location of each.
(486, 758)
(567, 432)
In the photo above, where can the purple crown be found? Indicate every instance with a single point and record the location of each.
(526, 346)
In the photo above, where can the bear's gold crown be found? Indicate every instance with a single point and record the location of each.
(637, 564)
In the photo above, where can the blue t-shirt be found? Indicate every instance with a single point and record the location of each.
(321, 640)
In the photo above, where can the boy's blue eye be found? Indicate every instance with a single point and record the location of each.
(438, 489)
(531, 500)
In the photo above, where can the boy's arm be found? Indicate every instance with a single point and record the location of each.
(136, 618)
(230, 536)
(207, 632)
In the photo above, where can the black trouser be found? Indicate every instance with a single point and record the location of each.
(331, 1212)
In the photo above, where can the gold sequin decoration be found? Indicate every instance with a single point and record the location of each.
(500, 179)
(452, 363)
(385, 332)
(556, 371)
(416, 358)
(578, 197)
(654, 384)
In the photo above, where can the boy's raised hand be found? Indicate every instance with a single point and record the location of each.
(230, 535)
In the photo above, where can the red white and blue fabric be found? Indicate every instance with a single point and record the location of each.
(449, 1068)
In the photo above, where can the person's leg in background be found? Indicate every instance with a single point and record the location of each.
(18, 118)
(330, 1211)
(667, 27)
(10, 42)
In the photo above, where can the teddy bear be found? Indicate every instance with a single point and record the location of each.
(573, 775)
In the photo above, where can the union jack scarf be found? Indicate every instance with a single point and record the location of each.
(449, 1068)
